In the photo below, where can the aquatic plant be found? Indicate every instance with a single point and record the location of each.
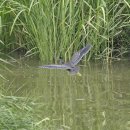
(51, 29)
(17, 113)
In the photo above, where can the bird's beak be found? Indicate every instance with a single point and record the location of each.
(79, 74)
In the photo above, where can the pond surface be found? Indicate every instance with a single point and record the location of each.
(98, 100)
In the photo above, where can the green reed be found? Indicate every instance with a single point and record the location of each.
(53, 29)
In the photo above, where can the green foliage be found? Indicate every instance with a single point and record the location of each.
(58, 28)
(16, 113)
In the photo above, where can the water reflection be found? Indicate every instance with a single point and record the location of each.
(99, 100)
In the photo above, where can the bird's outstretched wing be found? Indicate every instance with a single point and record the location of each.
(64, 66)
(78, 55)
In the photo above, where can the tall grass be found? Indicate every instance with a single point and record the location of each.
(54, 29)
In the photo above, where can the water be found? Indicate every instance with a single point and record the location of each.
(99, 100)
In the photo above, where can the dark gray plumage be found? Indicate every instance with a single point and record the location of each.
(71, 65)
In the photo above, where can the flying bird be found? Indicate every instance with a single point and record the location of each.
(71, 65)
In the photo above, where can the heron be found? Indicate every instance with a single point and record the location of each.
(71, 65)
